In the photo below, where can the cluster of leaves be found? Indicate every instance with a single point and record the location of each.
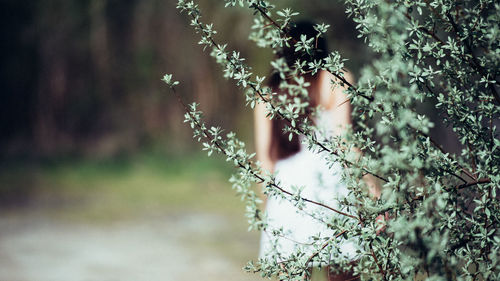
(444, 208)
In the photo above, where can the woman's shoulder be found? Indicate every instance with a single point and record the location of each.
(332, 88)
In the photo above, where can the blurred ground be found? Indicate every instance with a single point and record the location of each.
(146, 217)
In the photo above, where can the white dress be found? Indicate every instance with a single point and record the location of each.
(321, 184)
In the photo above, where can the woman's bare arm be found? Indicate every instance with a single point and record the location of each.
(262, 130)
(337, 102)
(334, 99)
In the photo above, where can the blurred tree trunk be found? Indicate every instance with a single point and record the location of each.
(99, 44)
(52, 82)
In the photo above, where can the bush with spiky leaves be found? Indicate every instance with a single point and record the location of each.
(444, 208)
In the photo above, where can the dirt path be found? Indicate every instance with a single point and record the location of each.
(35, 247)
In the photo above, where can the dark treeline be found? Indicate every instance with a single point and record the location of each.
(84, 76)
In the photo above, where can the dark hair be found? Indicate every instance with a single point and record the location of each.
(281, 147)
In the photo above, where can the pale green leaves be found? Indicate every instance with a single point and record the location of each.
(433, 54)
(304, 44)
(168, 79)
(321, 28)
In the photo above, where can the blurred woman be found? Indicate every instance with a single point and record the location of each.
(295, 165)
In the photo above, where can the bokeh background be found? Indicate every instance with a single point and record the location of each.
(99, 176)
